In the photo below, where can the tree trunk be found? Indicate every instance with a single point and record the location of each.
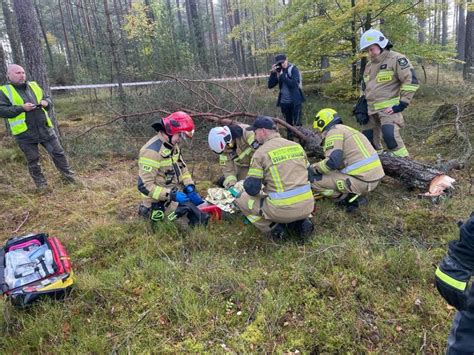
(461, 32)
(422, 24)
(215, 39)
(45, 37)
(72, 25)
(354, 48)
(198, 34)
(468, 72)
(3, 66)
(34, 59)
(115, 56)
(444, 15)
(240, 44)
(12, 32)
(66, 41)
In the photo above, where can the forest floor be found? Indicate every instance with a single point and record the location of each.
(361, 283)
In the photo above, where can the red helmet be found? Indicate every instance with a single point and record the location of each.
(179, 122)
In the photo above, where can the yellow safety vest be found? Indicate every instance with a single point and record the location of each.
(18, 123)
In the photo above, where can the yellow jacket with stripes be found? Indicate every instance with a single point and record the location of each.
(350, 152)
(161, 167)
(388, 79)
(239, 156)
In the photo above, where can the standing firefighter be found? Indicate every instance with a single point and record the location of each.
(162, 172)
(389, 83)
(26, 108)
(452, 278)
(352, 166)
(280, 166)
(235, 146)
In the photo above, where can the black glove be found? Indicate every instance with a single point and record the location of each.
(451, 282)
(400, 107)
(313, 175)
(361, 111)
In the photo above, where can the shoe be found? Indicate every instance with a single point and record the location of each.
(352, 202)
(278, 232)
(303, 228)
(42, 188)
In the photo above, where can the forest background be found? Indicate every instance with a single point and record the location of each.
(362, 283)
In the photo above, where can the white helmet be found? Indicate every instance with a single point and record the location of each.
(372, 36)
(218, 138)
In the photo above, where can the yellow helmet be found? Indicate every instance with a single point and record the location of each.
(324, 117)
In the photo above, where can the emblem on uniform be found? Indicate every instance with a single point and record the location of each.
(403, 62)
(383, 66)
(147, 168)
(165, 152)
(255, 144)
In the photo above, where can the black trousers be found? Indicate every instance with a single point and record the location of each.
(292, 114)
(461, 338)
(55, 151)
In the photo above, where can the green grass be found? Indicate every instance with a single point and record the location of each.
(362, 283)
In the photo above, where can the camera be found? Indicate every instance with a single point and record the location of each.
(278, 67)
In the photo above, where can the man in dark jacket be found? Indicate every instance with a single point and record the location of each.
(290, 97)
(25, 107)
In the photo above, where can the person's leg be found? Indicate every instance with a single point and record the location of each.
(391, 125)
(372, 131)
(297, 115)
(57, 154)
(32, 159)
(287, 111)
(250, 207)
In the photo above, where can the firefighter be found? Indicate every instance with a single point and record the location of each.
(389, 84)
(351, 167)
(280, 167)
(235, 146)
(164, 180)
(452, 277)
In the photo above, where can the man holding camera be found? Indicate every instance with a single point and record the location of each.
(25, 106)
(290, 97)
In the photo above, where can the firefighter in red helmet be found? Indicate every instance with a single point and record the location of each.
(164, 181)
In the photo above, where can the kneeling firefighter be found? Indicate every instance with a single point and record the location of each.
(164, 180)
(352, 166)
(452, 278)
(235, 146)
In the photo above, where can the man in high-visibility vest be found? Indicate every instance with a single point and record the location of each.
(351, 167)
(280, 167)
(25, 107)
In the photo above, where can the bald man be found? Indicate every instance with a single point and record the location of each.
(25, 107)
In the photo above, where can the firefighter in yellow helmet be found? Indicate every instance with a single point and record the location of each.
(389, 84)
(351, 167)
(235, 146)
(280, 167)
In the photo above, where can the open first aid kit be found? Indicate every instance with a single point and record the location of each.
(32, 267)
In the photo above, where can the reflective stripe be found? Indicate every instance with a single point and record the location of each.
(148, 161)
(243, 154)
(253, 218)
(327, 193)
(276, 178)
(255, 172)
(323, 167)
(360, 164)
(229, 179)
(401, 153)
(15, 122)
(289, 193)
(361, 145)
(459, 285)
(386, 103)
(409, 87)
(186, 176)
(250, 203)
(292, 200)
(157, 192)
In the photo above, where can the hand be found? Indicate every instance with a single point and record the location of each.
(451, 282)
(234, 192)
(179, 196)
(397, 108)
(195, 198)
(44, 103)
(28, 106)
